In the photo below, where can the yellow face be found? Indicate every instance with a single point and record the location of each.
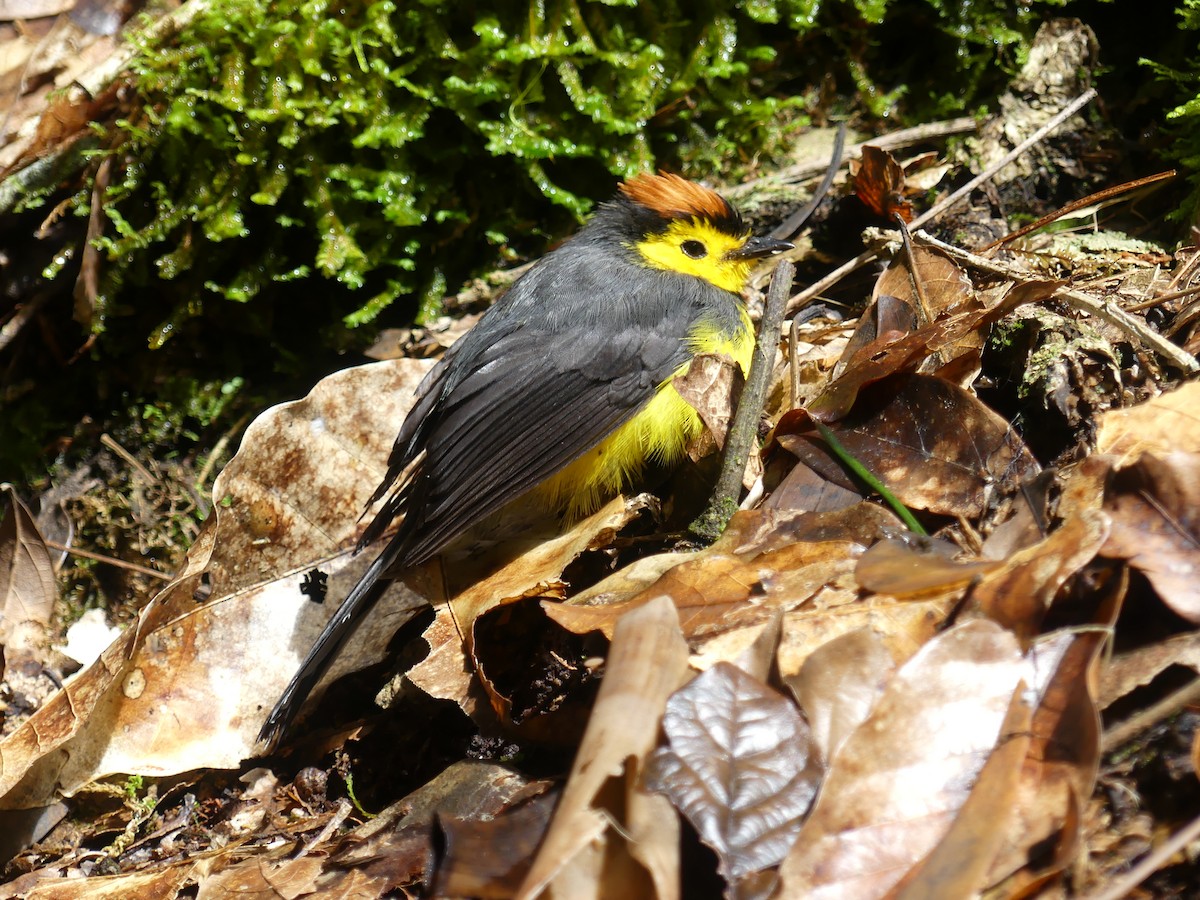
(694, 247)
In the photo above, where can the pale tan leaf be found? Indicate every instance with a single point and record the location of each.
(186, 686)
(1165, 424)
(27, 587)
(839, 684)
(895, 787)
(646, 663)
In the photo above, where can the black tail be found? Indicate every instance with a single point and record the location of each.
(337, 631)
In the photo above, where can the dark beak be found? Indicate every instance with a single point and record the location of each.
(759, 247)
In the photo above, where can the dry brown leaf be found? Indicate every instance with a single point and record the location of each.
(488, 858)
(712, 591)
(739, 765)
(271, 874)
(27, 586)
(803, 488)
(886, 356)
(646, 663)
(1018, 594)
(932, 443)
(901, 569)
(1169, 423)
(887, 318)
(395, 850)
(787, 555)
(1059, 771)
(899, 781)
(185, 687)
(1155, 510)
(160, 884)
(711, 386)
(943, 284)
(959, 865)
(839, 684)
(878, 181)
(904, 625)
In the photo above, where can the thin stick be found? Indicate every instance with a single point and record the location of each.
(1165, 298)
(19, 318)
(1123, 885)
(1123, 732)
(119, 563)
(744, 429)
(896, 140)
(111, 443)
(871, 255)
(1099, 197)
(1037, 137)
(1109, 312)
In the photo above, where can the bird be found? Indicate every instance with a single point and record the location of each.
(563, 389)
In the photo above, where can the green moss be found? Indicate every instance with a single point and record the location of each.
(382, 146)
(1182, 73)
(287, 173)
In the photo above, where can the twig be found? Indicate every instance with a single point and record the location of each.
(13, 326)
(896, 140)
(870, 255)
(109, 442)
(119, 563)
(1123, 732)
(796, 220)
(1123, 885)
(989, 173)
(1098, 198)
(821, 286)
(744, 429)
(213, 455)
(1165, 298)
(1102, 309)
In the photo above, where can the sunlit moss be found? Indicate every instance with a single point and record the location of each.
(383, 146)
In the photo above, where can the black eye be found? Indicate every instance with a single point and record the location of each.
(694, 249)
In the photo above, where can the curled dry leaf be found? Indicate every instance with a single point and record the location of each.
(893, 791)
(646, 663)
(711, 386)
(933, 444)
(186, 686)
(27, 588)
(739, 765)
(879, 183)
(887, 356)
(1155, 510)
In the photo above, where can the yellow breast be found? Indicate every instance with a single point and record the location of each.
(660, 432)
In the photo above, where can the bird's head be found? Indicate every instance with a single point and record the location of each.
(674, 224)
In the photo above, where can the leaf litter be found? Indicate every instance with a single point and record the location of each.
(832, 704)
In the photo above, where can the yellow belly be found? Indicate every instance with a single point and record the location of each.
(660, 432)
